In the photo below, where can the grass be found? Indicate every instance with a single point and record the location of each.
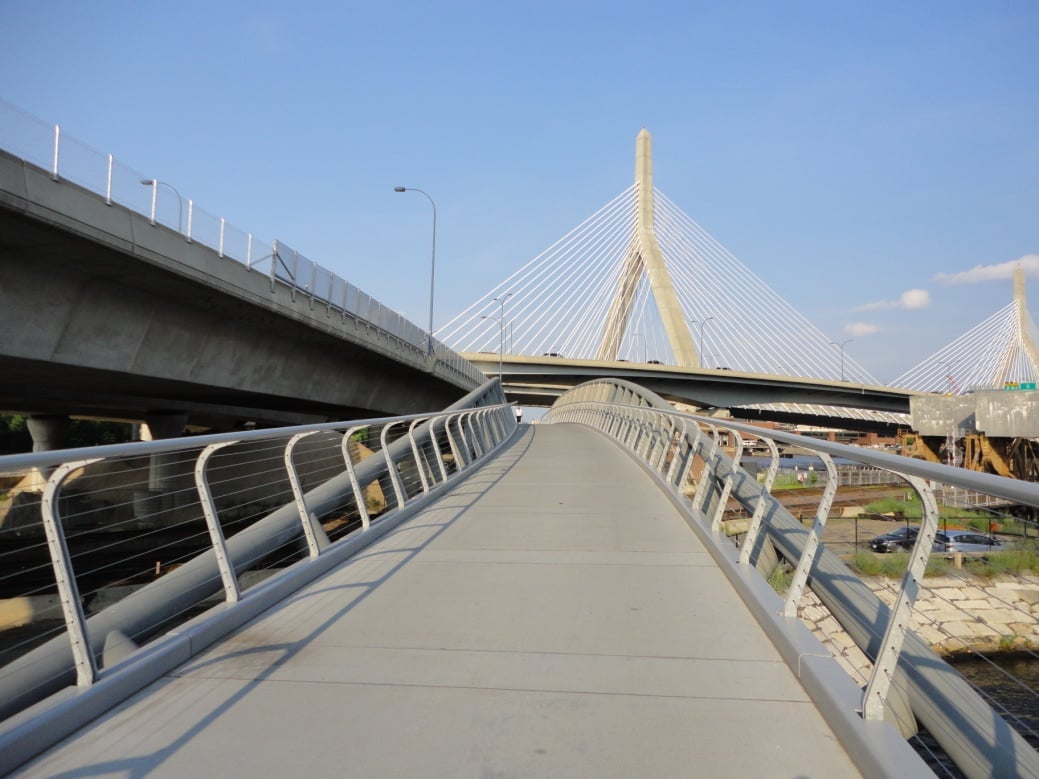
(954, 517)
(781, 577)
(892, 566)
(1015, 561)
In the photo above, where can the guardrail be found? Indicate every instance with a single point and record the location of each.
(909, 683)
(69, 159)
(136, 556)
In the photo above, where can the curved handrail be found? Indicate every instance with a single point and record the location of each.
(979, 741)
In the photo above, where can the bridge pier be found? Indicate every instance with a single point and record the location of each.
(49, 432)
(168, 473)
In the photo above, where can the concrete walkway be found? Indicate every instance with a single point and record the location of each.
(554, 616)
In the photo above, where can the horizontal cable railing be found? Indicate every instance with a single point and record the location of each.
(903, 681)
(127, 543)
(69, 159)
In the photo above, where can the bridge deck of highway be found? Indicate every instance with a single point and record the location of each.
(552, 615)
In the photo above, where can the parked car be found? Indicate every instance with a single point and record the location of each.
(903, 538)
(966, 541)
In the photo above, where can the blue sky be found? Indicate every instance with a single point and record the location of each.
(858, 157)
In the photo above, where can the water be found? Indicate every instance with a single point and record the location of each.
(1011, 682)
(1011, 685)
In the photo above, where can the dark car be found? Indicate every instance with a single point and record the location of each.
(903, 538)
(966, 541)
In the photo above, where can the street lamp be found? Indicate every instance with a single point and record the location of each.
(841, 345)
(701, 324)
(155, 184)
(433, 261)
(501, 329)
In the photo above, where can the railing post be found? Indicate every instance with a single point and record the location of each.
(436, 446)
(57, 143)
(398, 488)
(315, 534)
(216, 532)
(108, 182)
(875, 695)
(191, 213)
(763, 503)
(804, 565)
(65, 578)
(415, 453)
(723, 499)
(362, 509)
(477, 449)
(707, 472)
(461, 460)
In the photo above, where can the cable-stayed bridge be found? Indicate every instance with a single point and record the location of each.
(998, 352)
(640, 283)
(558, 599)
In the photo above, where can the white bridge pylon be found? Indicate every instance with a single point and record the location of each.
(999, 351)
(640, 281)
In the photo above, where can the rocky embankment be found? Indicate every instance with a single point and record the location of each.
(954, 614)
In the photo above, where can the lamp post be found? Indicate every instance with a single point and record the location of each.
(155, 184)
(433, 260)
(501, 329)
(841, 345)
(701, 324)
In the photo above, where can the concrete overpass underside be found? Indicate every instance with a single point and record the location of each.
(106, 315)
(538, 381)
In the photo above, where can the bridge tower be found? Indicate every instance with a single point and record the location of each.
(1027, 343)
(644, 256)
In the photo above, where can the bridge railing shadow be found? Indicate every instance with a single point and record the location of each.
(908, 684)
(125, 544)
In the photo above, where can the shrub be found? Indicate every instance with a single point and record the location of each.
(781, 577)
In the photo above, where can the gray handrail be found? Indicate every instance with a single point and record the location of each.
(51, 666)
(978, 740)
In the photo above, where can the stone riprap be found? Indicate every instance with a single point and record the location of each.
(955, 615)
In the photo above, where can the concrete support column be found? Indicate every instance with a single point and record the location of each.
(167, 473)
(49, 432)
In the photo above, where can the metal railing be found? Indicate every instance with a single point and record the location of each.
(137, 553)
(69, 159)
(909, 683)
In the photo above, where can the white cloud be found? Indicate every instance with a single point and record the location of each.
(1003, 271)
(909, 300)
(861, 328)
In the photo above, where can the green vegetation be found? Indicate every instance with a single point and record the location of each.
(1015, 561)
(781, 577)
(893, 566)
(952, 516)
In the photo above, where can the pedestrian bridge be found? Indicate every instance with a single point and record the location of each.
(532, 600)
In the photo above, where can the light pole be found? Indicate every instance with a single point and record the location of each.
(501, 329)
(155, 184)
(433, 261)
(841, 345)
(701, 324)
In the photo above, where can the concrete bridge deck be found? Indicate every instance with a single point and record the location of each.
(553, 615)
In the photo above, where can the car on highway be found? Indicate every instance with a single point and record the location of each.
(966, 541)
(903, 538)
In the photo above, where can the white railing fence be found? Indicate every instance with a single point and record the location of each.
(67, 158)
(129, 545)
(908, 683)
